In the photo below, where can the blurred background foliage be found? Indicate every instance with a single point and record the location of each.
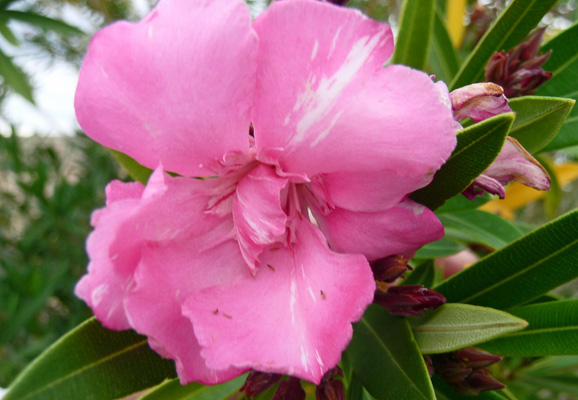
(50, 185)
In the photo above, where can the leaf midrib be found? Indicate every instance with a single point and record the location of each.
(468, 328)
(86, 367)
(523, 271)
(530, 121)
(391, 357)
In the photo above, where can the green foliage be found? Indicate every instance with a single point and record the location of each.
(92, 362)
(455, 326)
(416, 24)
(538, 262)
(386, 358)
(443, 60)
(553, 330)
(45, 206)
(195, 391)
(538, 120)
(563, 63)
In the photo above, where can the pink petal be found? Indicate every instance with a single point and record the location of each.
(175, 88)
(398, 230)
(293, 317)
(366, 190)
(324, 97)
(479, 101)
(515, 163)
(149, 252)
(259, 218)
(166, 276)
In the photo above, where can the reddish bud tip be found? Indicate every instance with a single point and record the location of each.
(290, 390)
(409, 301)
(388, 269)
(519, 71)
(257, 382)
(473, 357)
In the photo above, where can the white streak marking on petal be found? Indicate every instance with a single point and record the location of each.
(320, 103)
(293, 299)
(98, 293)
(314, 52)
(334, 42)
(312, 294)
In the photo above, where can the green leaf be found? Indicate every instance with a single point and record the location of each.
(480, 227)
(511, 28)
(173, 390)
(424, 274)
(445, 392)
(136, 171)
(563, 63)
(440, 248)
(386, 358)
(7, 33)
(442, 56)
(559, 384)
(455, 326)
(553, 196)
(461, 203)
(15, 77)
(92, 362)
(538, 120)
(478, 146)
(553, 330)
(41, 21)
(415, 28)
(538, 262)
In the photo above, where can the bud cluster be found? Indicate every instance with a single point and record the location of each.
(519, 71)
(466, 370)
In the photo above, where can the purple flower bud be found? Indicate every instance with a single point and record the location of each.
(388, 269)
(290, 390)
(409, 301)
(257, 382)
(519, 71)
(342, 3)
(473, 357)
(478, 381)
(331, 390)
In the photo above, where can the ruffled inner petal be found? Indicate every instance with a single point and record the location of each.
(294, 317)
(181, 92)
(398, 230)
(259, 218)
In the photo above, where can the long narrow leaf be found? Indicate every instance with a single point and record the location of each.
(443, 59)
(563, 63)
(478, 146)
(454, 326)
(92, 362)
(15, 78)
(173, 390)
(386, 358)
(511, 27)
(136, 171)
(416, 24)
(480, 227)
(538, 262)
(41, 22)
(538, 119)
(553, 330)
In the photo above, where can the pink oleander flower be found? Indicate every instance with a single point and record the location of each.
(228, 273)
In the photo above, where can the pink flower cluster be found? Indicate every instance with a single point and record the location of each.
(256, 256)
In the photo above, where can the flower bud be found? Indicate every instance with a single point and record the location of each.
(257, 382)
(473, 357)
(330, 387)
(409, 301)
(290, 390)
(388, 269)
(478, 101)
(478, 381)
(519, 71)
